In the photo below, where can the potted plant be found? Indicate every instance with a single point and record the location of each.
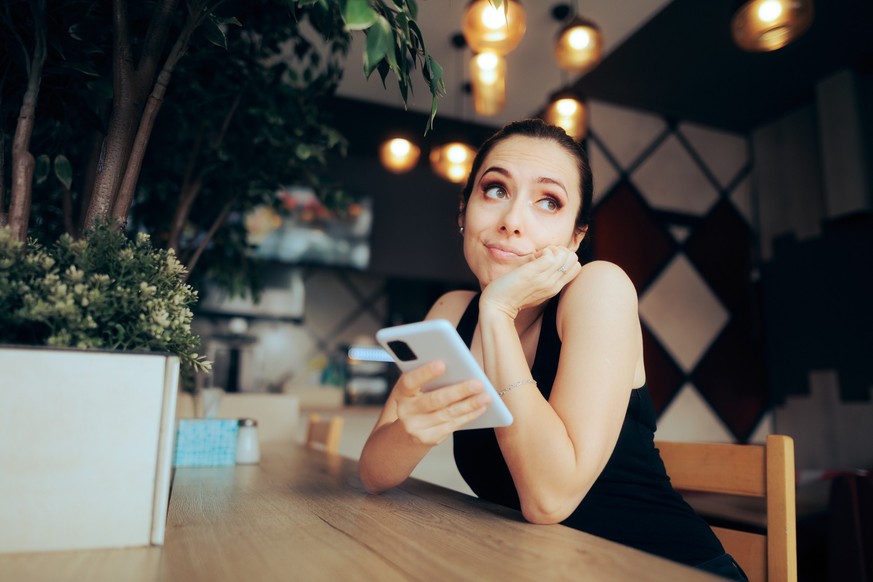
(91, 335)
(95, 325)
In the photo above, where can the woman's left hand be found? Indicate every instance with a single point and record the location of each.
(540, 279)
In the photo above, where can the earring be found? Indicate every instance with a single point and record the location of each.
(461, 230)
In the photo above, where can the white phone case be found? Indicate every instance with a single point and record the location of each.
(437, 339)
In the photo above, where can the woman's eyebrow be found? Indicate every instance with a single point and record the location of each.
(546, 180)
(500, 170)
(541, 180)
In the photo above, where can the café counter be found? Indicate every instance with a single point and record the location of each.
(303, 515)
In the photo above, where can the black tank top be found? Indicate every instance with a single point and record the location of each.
(631, 502)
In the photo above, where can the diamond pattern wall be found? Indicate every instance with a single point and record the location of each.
(640, 245)
(670, 179)
(677, 218)
(683, 312)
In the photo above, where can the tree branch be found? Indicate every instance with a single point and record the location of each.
(124, 198)
(4, 218)
(156, 38)
(23, 163)
(67, 211)
(130, 86)
(219, 221)
(122, 54)
(191, 186)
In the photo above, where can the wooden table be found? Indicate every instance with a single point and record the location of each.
(303, 515)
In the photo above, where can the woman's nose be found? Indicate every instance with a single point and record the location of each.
(512, 218)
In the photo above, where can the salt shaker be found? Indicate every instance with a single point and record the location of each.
(247, 449)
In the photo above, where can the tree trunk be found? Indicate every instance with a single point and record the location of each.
(124, 198)
(23, 162)
(95, 153)
(130, 86)
(126, 189)
(113, 157)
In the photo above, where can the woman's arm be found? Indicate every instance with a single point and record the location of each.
(413, 422)
(556, 449)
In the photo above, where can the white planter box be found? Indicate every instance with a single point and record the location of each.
(86, 448)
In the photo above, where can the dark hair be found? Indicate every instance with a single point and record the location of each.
(539, 129)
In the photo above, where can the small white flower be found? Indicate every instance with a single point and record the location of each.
(74, 274)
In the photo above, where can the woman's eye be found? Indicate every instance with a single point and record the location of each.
(495, 192)
(549, 204)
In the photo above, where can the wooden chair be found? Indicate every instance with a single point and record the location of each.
(765, 471)
(324, 433)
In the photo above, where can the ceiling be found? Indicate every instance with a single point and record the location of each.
(673, 58)
(531, 70)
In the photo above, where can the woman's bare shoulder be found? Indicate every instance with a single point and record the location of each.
(602, 277)
(601, 287)
(451, 306)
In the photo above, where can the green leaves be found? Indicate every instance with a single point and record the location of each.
(42, 169)
(358, 15)
(380, 45)
(214, 27)
(63, 170)
(394, 44)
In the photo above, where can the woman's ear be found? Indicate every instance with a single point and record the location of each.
(578, 237)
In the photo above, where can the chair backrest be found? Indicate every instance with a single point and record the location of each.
(324, 433)
(765, 471)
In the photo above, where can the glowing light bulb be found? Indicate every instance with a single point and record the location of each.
(566, 107)
(579, 38)
(493, 18)
(399, 155)
(769, 10)
(456, 154)
(456, 173)
(487, 61)
(400, 147)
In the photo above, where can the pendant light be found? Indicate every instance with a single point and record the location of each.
(399, 155)
(487, 28)
(578, 45)
(488, 82)
(567, 112)
(452, 161)
(768, 25)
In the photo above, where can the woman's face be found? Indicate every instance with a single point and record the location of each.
(525, 198)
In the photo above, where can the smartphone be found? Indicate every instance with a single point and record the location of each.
(415, 344)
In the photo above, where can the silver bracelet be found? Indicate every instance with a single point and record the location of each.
(516, 385)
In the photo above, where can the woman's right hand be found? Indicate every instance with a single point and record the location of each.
(547, 272)
(428, 418)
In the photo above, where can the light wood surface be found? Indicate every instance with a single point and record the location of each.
(302, 514)
(765, 472)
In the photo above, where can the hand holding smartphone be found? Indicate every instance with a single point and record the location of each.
(415, 344)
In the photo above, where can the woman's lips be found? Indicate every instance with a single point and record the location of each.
(504, 253)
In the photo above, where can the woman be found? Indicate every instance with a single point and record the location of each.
(562, 344)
